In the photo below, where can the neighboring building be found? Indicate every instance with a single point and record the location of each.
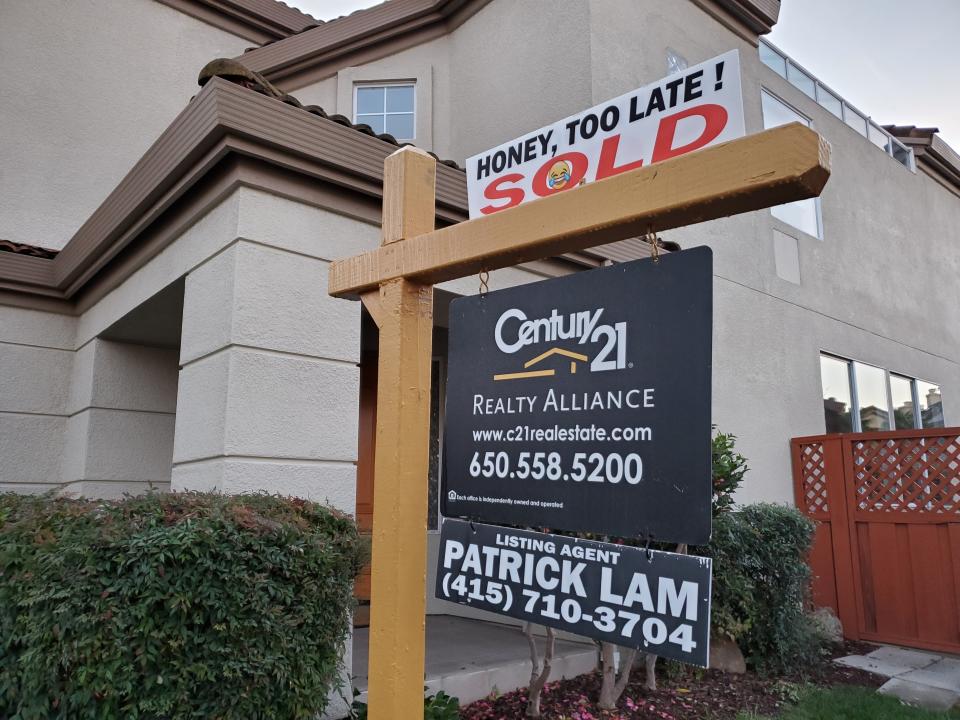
(164, 320)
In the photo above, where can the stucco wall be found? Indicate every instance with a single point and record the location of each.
(87, 87)
(36, 356)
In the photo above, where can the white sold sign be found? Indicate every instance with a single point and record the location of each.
(701, 106)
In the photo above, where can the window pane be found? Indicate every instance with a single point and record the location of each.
(835, 376)
(374, 121)
(401, 126)
(901, 392)
(931, 404)
(855, 120)
(878, 137)
(799, 79)
(872, 397)
(776, 113)
(830, 101)
(901, 153)
(399, 98)
(773, 60)
(369, 100)
(801, 214)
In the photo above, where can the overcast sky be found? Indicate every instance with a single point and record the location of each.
(897, 62)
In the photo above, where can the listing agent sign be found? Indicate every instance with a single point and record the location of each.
(583, 403)
(698, 107)
(656, 601)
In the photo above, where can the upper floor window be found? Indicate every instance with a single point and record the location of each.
(858, 397)
(387, 108)
(801, 214)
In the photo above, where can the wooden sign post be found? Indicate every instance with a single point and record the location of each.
(396, 282)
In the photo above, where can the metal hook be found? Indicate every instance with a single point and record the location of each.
(472, 528)
(484, 278)
(646, 548)
(654, 242)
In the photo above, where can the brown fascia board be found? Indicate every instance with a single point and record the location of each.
(758, 15)
(223, 120)
(260, 21)
(366, 34)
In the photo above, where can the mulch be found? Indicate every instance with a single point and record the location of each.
(683, 693)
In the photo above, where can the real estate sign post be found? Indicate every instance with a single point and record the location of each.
(396, 282)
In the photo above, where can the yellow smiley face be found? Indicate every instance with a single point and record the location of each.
(559, 175)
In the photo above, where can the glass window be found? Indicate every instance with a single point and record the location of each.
(387, 108)
(901, 153)
(855, 120)
(800, 80)
(802, 214)
(835, 376)
(877, 136)
(901, 396)
(777, 113)
(830, 101)
(872, 397)
(931, 404)
(773, 60)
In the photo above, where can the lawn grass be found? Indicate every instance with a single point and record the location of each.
(852, 703)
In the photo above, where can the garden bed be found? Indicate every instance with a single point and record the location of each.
(682, 694)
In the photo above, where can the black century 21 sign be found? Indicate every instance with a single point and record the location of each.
(583, 403)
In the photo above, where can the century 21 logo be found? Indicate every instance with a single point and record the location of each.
(514, 331)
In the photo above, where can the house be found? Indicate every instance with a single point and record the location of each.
(164, 320)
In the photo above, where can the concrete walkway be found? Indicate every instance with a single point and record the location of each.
(917, 677)
(469, 659)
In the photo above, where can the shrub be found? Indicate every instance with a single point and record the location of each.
(179, 605)
(760, 584)
(729, 467)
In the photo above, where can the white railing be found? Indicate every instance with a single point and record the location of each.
(809, 85)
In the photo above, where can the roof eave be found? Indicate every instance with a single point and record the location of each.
(259, 21)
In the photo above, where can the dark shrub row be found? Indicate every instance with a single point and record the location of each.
(172, 606)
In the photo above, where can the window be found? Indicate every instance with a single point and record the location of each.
(800, 80)
(871, 384)
(855, 120)
(830, 101)
(930, 404)
(386, 109)
(837, 396)
(858, 397)
(802, 214)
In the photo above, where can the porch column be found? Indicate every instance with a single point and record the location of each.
(269, 382)
(119, 433)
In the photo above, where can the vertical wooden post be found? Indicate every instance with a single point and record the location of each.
(403, 310)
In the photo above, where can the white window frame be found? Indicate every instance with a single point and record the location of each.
(385, 84)
(816, 200)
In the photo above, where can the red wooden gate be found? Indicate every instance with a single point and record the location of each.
(886, 556)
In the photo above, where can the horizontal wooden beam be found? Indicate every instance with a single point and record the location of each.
(776, 166)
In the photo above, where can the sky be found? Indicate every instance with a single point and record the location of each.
(898, 63)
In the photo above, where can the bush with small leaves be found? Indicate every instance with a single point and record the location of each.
(173, 606)
(761, 582)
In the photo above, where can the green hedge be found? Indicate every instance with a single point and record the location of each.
(761, 582)
(172, 605)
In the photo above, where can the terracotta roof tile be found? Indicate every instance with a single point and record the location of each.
(237, 73)
(24, 249)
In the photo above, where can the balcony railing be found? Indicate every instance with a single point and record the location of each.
(805, 82)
